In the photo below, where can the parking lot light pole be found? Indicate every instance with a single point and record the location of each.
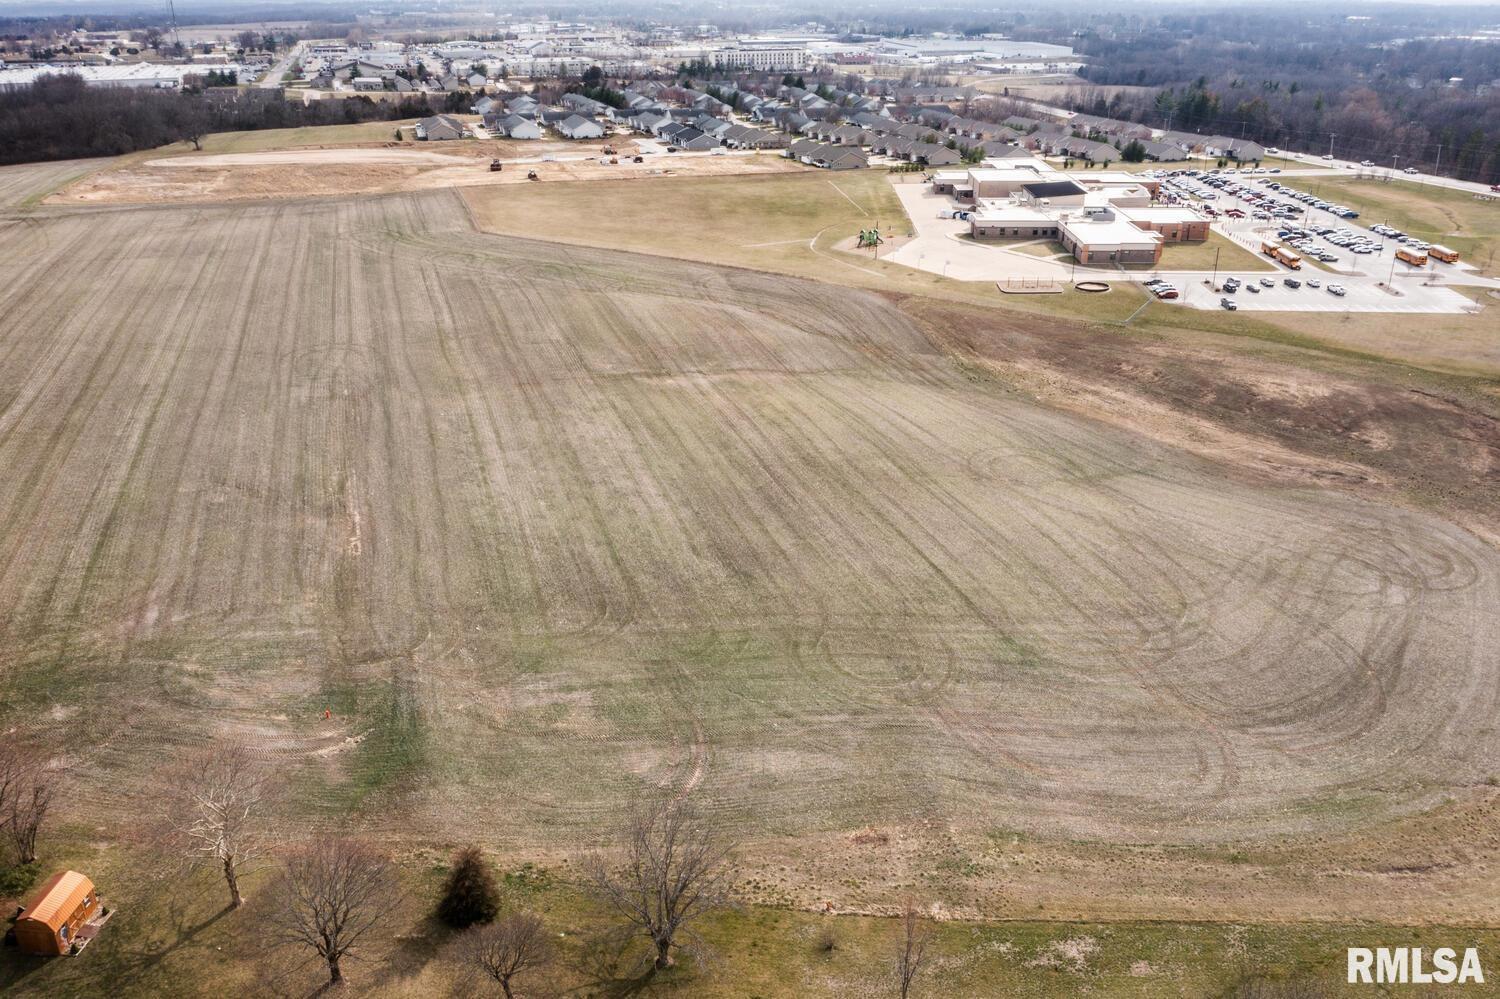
(1214, 281)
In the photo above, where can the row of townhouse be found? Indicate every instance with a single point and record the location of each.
(524, 118)
(819, 154)
(1160, 146)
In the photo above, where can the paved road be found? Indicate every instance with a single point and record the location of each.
(1347, 168)
(272, 77)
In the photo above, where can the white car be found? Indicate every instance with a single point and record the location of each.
(1335, 289)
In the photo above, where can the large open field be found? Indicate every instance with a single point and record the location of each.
(908, 591)
(561, 523)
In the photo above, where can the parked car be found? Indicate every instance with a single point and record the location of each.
(1253, 289)
(1228, 303)
(1337, 289)
(1267, 283)
(1291, 283)
(1314, 283)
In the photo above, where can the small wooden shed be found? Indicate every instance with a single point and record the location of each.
(51, 923)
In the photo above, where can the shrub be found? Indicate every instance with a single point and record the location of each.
(470, 895)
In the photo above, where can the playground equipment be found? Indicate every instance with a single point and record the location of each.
(869, 238)
(531, 175)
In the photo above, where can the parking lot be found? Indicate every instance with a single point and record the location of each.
(942, 246)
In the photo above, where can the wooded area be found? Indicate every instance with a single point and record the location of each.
(1426, 102)
(60, 117)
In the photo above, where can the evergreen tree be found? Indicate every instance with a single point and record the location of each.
(470, 895)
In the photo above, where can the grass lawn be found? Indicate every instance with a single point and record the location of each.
(172, 937)
(1436, 214)
(289, 138)
(784, 223)
(1200, 256)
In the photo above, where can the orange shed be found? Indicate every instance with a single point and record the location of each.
(51, 921)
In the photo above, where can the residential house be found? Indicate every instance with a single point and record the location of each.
(440, 127)
(576, 126)
(512, 126)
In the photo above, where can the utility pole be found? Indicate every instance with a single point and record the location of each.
(1331, 136)
(1395, 158)
(1213, 282)
(1439, 166)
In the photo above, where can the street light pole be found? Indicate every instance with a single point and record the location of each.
(1331, 136)
(1214, 281)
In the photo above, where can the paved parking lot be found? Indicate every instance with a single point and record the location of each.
(940, 246)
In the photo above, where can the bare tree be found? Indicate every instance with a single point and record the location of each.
(675, 871)
(214, 810)
(505, 949)
(331, 892)
(26, 790)
(913, 935)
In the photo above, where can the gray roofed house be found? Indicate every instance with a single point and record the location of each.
(693, 139)
(1003, 151)
(576, 126)
(933, 154)
(1163, 152)
(584, 105)
(849, 135)
(440, 127)
(513, 126)
(649, 121)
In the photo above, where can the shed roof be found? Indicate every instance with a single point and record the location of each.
(58, 899)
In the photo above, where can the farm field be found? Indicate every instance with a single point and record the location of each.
(556, 524)
(913, 586)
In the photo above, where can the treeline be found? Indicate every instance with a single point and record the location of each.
(60, 117)
(1428, 102)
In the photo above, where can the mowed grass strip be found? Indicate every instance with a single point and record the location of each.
(1457, 219)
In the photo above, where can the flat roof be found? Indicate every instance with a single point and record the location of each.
(1054, 189)
(1020, 172)
(1013, 213)
(1163, 213)
(1113, 177)
(1114, 232)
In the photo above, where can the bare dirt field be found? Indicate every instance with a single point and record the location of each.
(552, 525)
(386, 168)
